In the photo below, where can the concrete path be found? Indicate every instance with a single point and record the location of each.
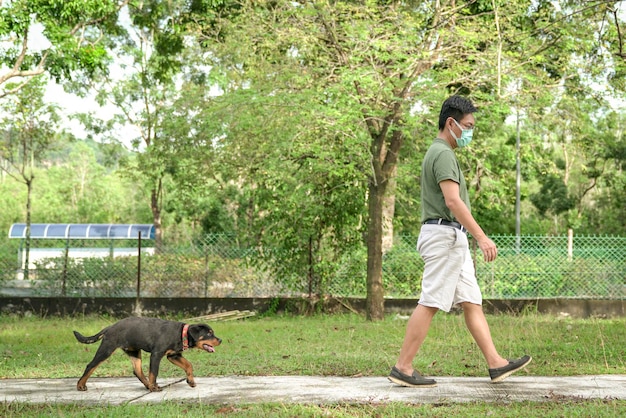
(313, 389)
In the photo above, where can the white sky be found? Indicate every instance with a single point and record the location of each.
(71, 104)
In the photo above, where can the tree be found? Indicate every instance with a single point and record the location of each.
(149, 52)
(364, 62)
(28, 133)
(77, 188)
(72, 32)
(542, 65)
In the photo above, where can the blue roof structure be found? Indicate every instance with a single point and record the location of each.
(83, 231)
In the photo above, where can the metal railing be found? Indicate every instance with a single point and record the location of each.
(217, 266)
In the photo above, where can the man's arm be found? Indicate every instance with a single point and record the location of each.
(450, 190)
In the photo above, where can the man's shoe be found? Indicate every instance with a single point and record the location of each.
(413, 381)
(501, 373)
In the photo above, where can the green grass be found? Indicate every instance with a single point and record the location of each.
(561, 408)
(332, 345)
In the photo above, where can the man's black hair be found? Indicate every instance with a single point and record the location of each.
(455, 107)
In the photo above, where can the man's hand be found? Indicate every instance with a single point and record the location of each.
(489, 249)
(462, 214)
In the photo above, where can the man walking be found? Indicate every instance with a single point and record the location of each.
(449, 277)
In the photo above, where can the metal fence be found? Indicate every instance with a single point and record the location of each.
(217, 266)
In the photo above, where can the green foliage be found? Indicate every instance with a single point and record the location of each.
(89, 277)
(552, 197)
(73, 186)
(158, 270)
(523, 276)
(402, 271)
(73, 30)
(8, 263)
(209, 276)
(28, 126)
(546, 271)
(349, 279)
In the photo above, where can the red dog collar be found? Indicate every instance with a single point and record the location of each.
(185, 339)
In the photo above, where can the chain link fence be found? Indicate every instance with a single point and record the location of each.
(218, 266)
(529, 267)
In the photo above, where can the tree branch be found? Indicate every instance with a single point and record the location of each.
(620, 40)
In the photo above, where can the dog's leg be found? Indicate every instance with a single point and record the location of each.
(103, 353)
(184, 364)
(155, 361)
(135, 359)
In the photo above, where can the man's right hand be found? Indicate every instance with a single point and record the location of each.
(489, 249)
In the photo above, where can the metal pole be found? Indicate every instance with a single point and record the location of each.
(139, 269)
(518, 186)
(206, 272)
(66, 257)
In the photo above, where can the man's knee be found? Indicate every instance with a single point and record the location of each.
(470, 306)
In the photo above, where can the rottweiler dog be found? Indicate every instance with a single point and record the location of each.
(156, 336)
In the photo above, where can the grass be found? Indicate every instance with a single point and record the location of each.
(332, 345)
(561, 408)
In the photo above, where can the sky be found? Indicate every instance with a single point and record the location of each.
(71, 104)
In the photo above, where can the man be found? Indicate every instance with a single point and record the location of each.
(449, 277)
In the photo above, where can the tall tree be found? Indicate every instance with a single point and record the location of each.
(29, 131)
(366, 62)
(148, 52)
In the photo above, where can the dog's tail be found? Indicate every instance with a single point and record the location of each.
(89, 340)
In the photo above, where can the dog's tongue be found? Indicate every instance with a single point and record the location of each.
(208, 348)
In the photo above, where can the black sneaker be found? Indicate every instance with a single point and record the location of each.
(501, 373)
(413, 381)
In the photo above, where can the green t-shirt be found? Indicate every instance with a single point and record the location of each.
(440, 164)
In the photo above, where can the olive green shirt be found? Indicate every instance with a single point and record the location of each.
(440, 164)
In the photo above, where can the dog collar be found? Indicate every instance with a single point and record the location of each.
(185, 338)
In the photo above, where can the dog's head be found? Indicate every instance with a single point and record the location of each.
(202, 336)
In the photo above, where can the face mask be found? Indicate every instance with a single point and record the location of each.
(466, 135)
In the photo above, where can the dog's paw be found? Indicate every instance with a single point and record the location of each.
(81, 388)
(191, 383)
(155, 388)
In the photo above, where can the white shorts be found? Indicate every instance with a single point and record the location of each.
(449, 275)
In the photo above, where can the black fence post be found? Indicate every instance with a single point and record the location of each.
(64, 273)
(139, 269)
(206, 271)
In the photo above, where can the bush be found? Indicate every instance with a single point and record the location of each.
(175, 275)
(88, 277)
(403, 269)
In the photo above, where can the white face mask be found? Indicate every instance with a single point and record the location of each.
(466, 135)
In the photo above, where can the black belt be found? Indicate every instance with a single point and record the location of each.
(446, 223)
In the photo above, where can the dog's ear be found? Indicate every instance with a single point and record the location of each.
(199, 330)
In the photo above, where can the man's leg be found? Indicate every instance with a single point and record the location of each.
(416, 330)
(478, 327)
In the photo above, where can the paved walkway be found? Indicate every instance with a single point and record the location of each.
(313, 389)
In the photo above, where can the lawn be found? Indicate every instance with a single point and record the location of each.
(332, 345)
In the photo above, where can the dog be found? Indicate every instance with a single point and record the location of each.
(156, 336)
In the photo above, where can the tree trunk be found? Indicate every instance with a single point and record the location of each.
(155, 206)
(389, 208)
(29, 189)
(384, 163)
(375, 302)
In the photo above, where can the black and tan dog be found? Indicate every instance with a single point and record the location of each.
(156, 336)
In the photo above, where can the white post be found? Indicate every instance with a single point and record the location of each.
(570, 244)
